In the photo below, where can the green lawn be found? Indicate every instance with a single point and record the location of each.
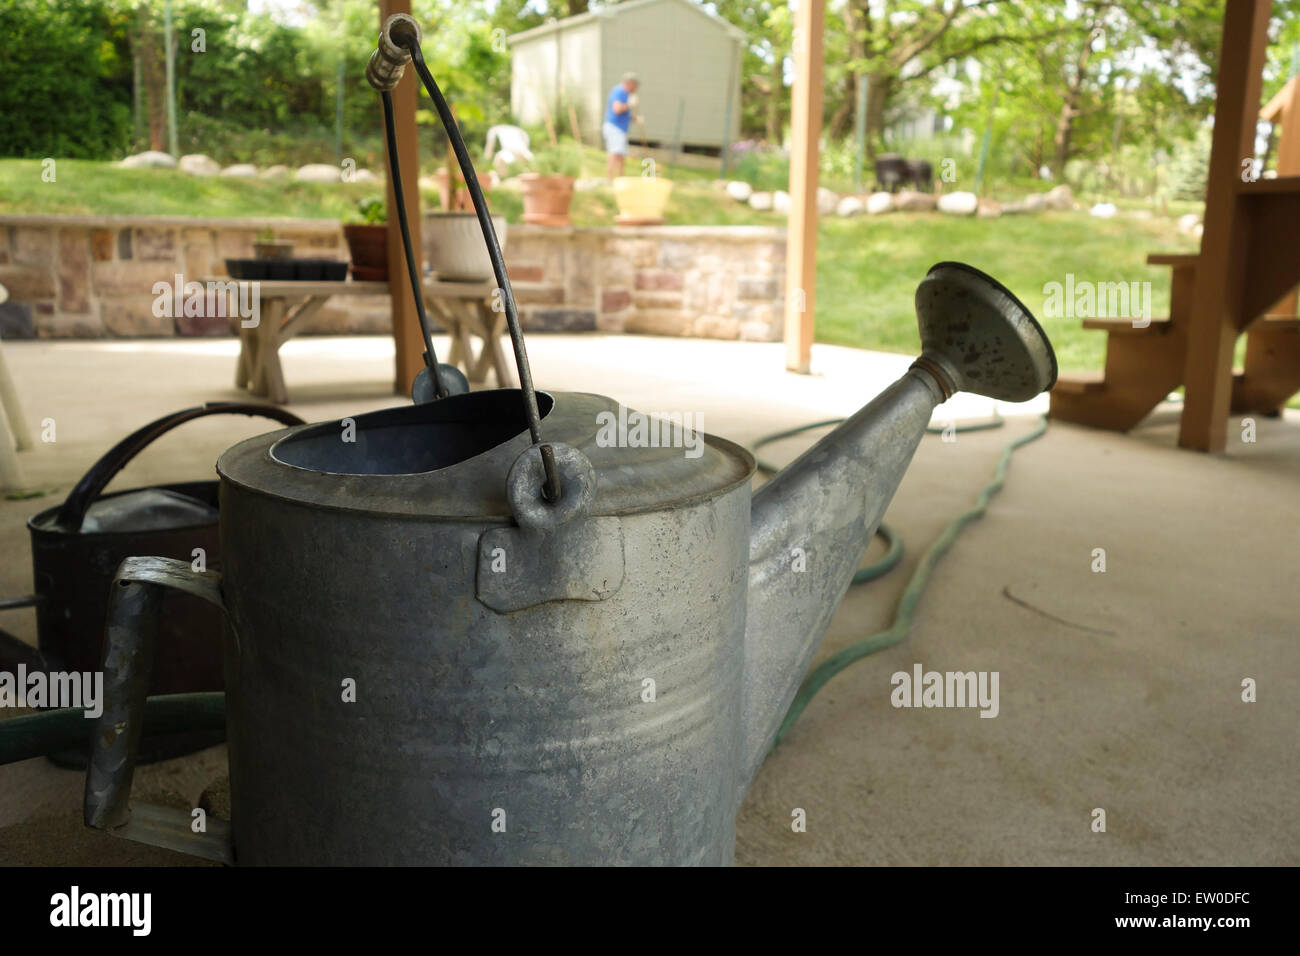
(867, 270)
(105, 189)
(868, 267)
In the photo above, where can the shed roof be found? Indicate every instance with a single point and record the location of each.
(611, 11)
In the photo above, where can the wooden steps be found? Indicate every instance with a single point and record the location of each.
(1272, 367)
(1126, 326)
(1083, 383)
(1279, 186)
(1243, 279)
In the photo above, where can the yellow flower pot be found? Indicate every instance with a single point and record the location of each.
(641, 200)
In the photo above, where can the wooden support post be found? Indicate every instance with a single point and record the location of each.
(1220, 271)
(406, 321)
(806, 129)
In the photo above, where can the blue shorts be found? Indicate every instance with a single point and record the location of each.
(615, 139)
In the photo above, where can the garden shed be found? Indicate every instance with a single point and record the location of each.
(688, 61)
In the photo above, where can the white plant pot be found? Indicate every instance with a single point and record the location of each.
(455, 247)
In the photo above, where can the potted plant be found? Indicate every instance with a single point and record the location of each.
(453, 240)
(548, 186)
(266, 246)
(641, 199)
(367, 239)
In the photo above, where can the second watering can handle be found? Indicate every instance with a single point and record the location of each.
(131, 632)
(73, 511)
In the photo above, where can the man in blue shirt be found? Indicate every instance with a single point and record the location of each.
(618, 115)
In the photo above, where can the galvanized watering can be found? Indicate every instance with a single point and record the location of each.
(441, 636)
(499, 644)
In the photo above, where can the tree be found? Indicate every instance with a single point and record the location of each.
(768, 29)
(905, 41)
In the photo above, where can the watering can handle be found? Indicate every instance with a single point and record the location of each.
(131, 631)
(399, 44)
(73, 511)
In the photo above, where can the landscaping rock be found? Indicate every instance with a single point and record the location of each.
(1015, 208)
(827, 201)
(1188, 222)
(959, 203)
(1103, 210)
(364, 176)
(240, 171)
(1059, 197)
(739, 190)
(879, 202)
(761, 202)
(277, 171)
(150, 159)
(317, 173)
(910, 201)
(1036, 203)
(196, 164)
(781, 202)
(989, 209)
(850, 206)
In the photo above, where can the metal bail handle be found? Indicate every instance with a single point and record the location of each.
(399, 42)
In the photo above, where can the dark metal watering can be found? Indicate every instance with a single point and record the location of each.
(451, 639)
(428, 662)
(76, 549)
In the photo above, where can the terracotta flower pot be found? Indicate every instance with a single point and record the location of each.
(463, 201)
(547, 199)
(641, 200)
(369, 248)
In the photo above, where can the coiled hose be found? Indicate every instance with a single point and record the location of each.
(906, 610)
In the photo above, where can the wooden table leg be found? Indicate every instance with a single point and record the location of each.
(244, 364)
(12, 409)
(446, 318)
(11, 477)
(268, 374)
(463, 337)
(492, 326)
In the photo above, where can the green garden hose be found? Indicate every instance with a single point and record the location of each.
(52, 731)
(902, 622)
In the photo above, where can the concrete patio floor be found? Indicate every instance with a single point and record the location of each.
(1119, 690)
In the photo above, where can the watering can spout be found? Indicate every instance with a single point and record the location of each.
(811, 523)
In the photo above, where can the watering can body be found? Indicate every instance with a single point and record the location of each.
(428, 662)
(578, 721)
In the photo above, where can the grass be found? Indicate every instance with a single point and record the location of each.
(85, 187)
(867, 270)
(868, 267)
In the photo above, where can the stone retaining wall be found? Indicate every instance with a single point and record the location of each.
(708, 281)
(93, 276)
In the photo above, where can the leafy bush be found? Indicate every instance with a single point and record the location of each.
(65, 79)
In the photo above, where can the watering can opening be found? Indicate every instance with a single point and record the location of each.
(412, 439)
